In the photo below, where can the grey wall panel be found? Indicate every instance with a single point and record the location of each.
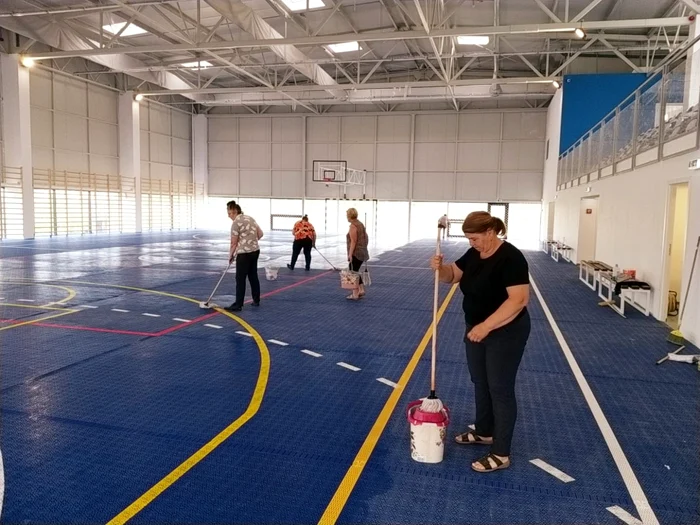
(255, 183)
(477, 187)
(223, 129)
(394, 128)
(287, 129)
(393, 157)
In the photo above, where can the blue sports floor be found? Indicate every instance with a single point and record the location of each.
(123, 401)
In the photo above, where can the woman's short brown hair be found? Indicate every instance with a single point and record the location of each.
(352, 213)
(481, 222)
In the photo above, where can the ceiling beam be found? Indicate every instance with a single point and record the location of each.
(549, 13)
(692, 5)
(373, 36)
(358, 87)
(590, 7)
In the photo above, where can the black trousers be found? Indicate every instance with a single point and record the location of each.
(355, 266)
(493, 365)
(247, 268)
(302, 244)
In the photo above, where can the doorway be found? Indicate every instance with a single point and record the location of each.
(676, 228)
(550, 221)
(587, 229)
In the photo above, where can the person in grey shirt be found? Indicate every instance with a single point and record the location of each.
(245, 234)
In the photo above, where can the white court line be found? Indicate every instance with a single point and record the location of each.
(633, 487)
(214, 326)
(87, 306)
(562, 476)
(349, 367)
(624, 515)
(244, 333)
(387, 382)
(26, 300)
(120, 310)
(151, 315)
(276, 342)
(312, 354)
(182, 320)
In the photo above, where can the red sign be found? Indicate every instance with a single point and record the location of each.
(589, 211)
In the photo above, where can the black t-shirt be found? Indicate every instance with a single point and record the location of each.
(484, 281)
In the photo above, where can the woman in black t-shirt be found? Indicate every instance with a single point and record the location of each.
(493, 276)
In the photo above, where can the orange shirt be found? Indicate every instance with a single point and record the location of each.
(303, 230)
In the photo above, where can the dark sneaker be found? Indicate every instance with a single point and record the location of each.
(234, 308)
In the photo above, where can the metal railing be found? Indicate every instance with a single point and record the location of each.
(659, 120)
(11, 211)
(68, 203)
(170, 204)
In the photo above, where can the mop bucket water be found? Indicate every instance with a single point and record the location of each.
(271, 273)
(428, 431)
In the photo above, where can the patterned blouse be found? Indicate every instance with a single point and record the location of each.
(246, 229)
(303, 230)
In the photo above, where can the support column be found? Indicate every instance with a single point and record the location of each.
(17, 131)
(130, 147)
(200, 151)
(692, 70)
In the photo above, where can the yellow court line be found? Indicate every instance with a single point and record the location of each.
(63, 312)
(35, 307)
(71, 292)
(342, 494)
(254, 405)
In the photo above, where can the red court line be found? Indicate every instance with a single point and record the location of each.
(167, 330)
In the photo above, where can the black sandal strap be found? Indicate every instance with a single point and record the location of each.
(484, 462)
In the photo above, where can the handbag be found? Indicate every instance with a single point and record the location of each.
(366, 277)
(349, 279)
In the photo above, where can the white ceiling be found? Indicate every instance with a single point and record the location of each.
(398, 62)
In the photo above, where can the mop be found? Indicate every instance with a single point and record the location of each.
(432, 403)
(324, 257)
(676, 337)
(207, 305)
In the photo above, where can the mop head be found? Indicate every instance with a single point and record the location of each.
(207, 306)
(431, 405)
(676, 337)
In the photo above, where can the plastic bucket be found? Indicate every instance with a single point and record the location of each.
(271, 273)
(428, 431)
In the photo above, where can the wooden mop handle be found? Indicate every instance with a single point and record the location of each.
(435, 320)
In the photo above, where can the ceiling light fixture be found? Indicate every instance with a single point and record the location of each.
(27, 62)
(138, 97)
(580, 33)
(556, 84)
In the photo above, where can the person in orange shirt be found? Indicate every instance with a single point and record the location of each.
(304, 239)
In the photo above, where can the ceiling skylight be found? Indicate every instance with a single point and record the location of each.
(344, 47)
(202, 64)
(473, 40)
(301, 5)
(132, 30)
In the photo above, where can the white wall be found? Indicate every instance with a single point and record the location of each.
(551, 163)
(679, 230)
(632, 212)
(588, 228)
(74, 125)
(475, 156)
(166, 147)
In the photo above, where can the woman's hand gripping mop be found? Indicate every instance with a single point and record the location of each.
(428, 417)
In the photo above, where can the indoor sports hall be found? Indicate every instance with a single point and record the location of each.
(410, 182)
